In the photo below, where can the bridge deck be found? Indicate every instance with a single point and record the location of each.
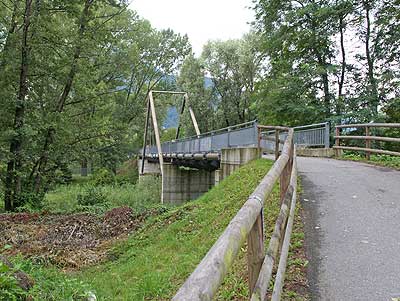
(352, 215)
(250, 134)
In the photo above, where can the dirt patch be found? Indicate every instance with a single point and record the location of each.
(68, 241)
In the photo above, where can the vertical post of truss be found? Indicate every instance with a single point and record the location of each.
(145, 135)
(180, 117)
(196, 126)
(156, 132)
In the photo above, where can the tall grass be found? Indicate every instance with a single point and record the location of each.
(140, 196)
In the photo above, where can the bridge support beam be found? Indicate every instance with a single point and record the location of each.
(180, 184)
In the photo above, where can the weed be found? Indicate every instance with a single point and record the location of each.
(381, 160)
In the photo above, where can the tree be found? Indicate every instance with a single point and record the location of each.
(192, 80)
(297, 37)
(85, 69)
(234, 67)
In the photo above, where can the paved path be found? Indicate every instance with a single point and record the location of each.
(352, 218)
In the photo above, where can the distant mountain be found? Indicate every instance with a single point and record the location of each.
(172, 118)
(208, 83)
(172, 115)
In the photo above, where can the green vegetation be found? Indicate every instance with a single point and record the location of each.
(9, 288)
(315, 74)
(381, 160)
(50, 284)
(154, 261)
(89, 196)
(87, 94)
(157, 259)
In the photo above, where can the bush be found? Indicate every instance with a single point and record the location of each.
(128, 173)
(29, 201)
(9, 287)
(103, 177)
(91, 197)
(50, 283)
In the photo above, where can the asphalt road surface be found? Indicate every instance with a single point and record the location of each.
(352, 224)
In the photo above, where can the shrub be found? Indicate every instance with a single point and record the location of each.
(91, 197)
(9, 287)
(128, 173)
(29, 201)
(103, 177)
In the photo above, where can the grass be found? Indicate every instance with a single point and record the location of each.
(380, 160)
(140, 196)
(50, 283)
(296, 284)
(155, 261)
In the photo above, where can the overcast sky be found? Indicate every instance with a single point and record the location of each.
(202, 20)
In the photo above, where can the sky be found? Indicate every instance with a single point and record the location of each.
(201, 20)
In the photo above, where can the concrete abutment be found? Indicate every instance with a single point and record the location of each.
(181, 184)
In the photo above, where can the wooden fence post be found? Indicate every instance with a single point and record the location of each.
(337, 141)
(276, 144)
(367, 143)
(285, 175)
(255, 251)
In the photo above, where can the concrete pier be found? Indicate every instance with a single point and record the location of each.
(150, 168)
(233, 158)
(180, 184)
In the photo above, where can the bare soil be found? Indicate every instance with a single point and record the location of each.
(69, 241)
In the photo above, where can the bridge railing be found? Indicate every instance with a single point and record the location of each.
(315, 135)
(204, 282)
(367, 138)
(244, 134)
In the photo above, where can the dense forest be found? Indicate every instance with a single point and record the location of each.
(74, 76)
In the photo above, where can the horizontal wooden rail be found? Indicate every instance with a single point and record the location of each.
(204, 282)
(368, 139)
(273, 127)
(265, 274)
(375, 138)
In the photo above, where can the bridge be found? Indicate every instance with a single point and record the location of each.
(351, 209)
(210, 157)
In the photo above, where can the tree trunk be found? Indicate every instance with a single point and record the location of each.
(13, 177)
(343, 69)
(325, 83)
(49, 135)
(374, 99)
(84, 167)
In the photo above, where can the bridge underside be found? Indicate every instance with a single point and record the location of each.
(187, 176)
(191, 161)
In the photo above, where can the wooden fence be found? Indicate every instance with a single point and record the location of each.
(248, 224)
(368, 138)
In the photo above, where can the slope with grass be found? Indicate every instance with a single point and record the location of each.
(156, 261)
